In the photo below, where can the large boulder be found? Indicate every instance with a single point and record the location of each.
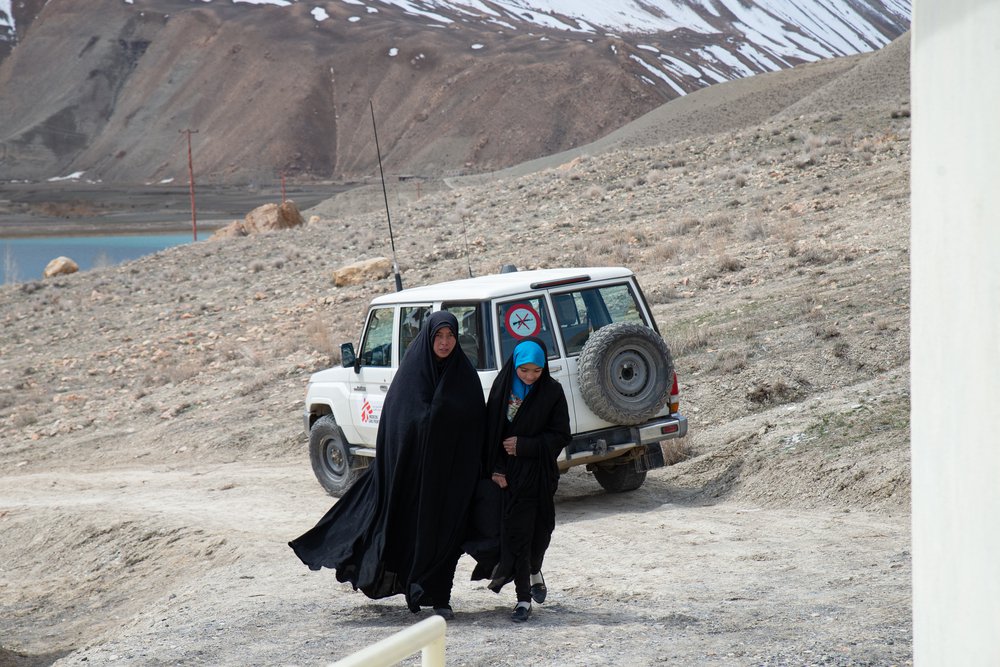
(362, 271)
(266, 218)
(60, 266)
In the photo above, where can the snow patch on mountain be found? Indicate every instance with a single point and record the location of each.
(783, 31)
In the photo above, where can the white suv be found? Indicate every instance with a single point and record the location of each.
(604, 348)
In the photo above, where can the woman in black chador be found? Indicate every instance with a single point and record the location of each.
(399, 529)
(527, 427)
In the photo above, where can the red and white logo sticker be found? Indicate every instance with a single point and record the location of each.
(367, 414)
(522, 321)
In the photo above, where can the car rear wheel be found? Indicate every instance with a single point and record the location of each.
(331, 460)
(626, 372)
(619, 478)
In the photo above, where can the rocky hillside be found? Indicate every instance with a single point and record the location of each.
(774, 250)
(104, 91)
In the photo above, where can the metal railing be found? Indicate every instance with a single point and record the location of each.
(427, 636)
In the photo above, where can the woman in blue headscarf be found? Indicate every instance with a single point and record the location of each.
(527, 427)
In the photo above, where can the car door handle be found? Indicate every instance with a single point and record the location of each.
(360, 387)
(384, 387)
(555, 369)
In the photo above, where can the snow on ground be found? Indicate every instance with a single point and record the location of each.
(793, 30)
(76, 175)
(770, 34)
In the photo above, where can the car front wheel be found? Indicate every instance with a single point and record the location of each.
(330, 457)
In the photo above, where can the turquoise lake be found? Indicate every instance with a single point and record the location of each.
(24, 259)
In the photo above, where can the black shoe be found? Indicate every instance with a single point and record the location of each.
(539, 591)
(445, 612)
(521, 613)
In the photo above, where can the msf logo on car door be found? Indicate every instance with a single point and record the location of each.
(368, 415)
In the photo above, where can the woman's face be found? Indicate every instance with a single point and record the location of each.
(529, 373)
(444, 342)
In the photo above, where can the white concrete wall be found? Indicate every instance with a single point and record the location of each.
(955, 330)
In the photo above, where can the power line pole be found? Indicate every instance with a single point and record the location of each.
(194, 214)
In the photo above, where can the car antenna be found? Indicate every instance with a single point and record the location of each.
(392, 242)
(465, 233)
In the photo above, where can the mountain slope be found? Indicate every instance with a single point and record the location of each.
(457, 87)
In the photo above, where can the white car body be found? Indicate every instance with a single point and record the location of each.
(551, 303)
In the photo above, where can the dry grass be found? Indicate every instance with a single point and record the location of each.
(319, 336)
(675, 451)
(729, 361)
(729, 264)
(22, 419)
(688, 339)
(185, 370)
(755, 230)
(259, 381)
(682, 227)
(772, 393)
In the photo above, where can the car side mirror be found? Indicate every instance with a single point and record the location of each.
(347, 356)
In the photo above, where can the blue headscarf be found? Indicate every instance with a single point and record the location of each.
(526, 352)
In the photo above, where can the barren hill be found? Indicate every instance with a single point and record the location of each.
(106, 89)
(154, 464)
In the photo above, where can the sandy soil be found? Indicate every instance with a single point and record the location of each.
(153, 462)
(724, 584)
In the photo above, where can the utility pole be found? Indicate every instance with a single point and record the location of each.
(282, 186)
(194, 214)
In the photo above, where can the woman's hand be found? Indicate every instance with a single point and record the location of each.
(510, 445)
(500, 480)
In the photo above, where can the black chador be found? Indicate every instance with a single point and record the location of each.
(399, 529)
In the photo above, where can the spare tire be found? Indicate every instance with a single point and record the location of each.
(625, 373)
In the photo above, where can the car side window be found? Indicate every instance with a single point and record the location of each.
(574, 320)
(470, 332)
(582, 312)
(521, 318)
(376, 349)
(411, 318)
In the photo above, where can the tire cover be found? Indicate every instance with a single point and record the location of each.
(625, 373)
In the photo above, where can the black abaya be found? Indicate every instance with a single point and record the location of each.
(399, 529)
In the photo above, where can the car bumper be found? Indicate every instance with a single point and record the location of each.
(601, 446)
(674, 426)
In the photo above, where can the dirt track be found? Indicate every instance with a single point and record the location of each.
(724, 584)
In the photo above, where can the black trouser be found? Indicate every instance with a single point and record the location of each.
(527, 535)
(439, 582)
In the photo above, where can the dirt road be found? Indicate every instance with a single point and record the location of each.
(634, 579)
